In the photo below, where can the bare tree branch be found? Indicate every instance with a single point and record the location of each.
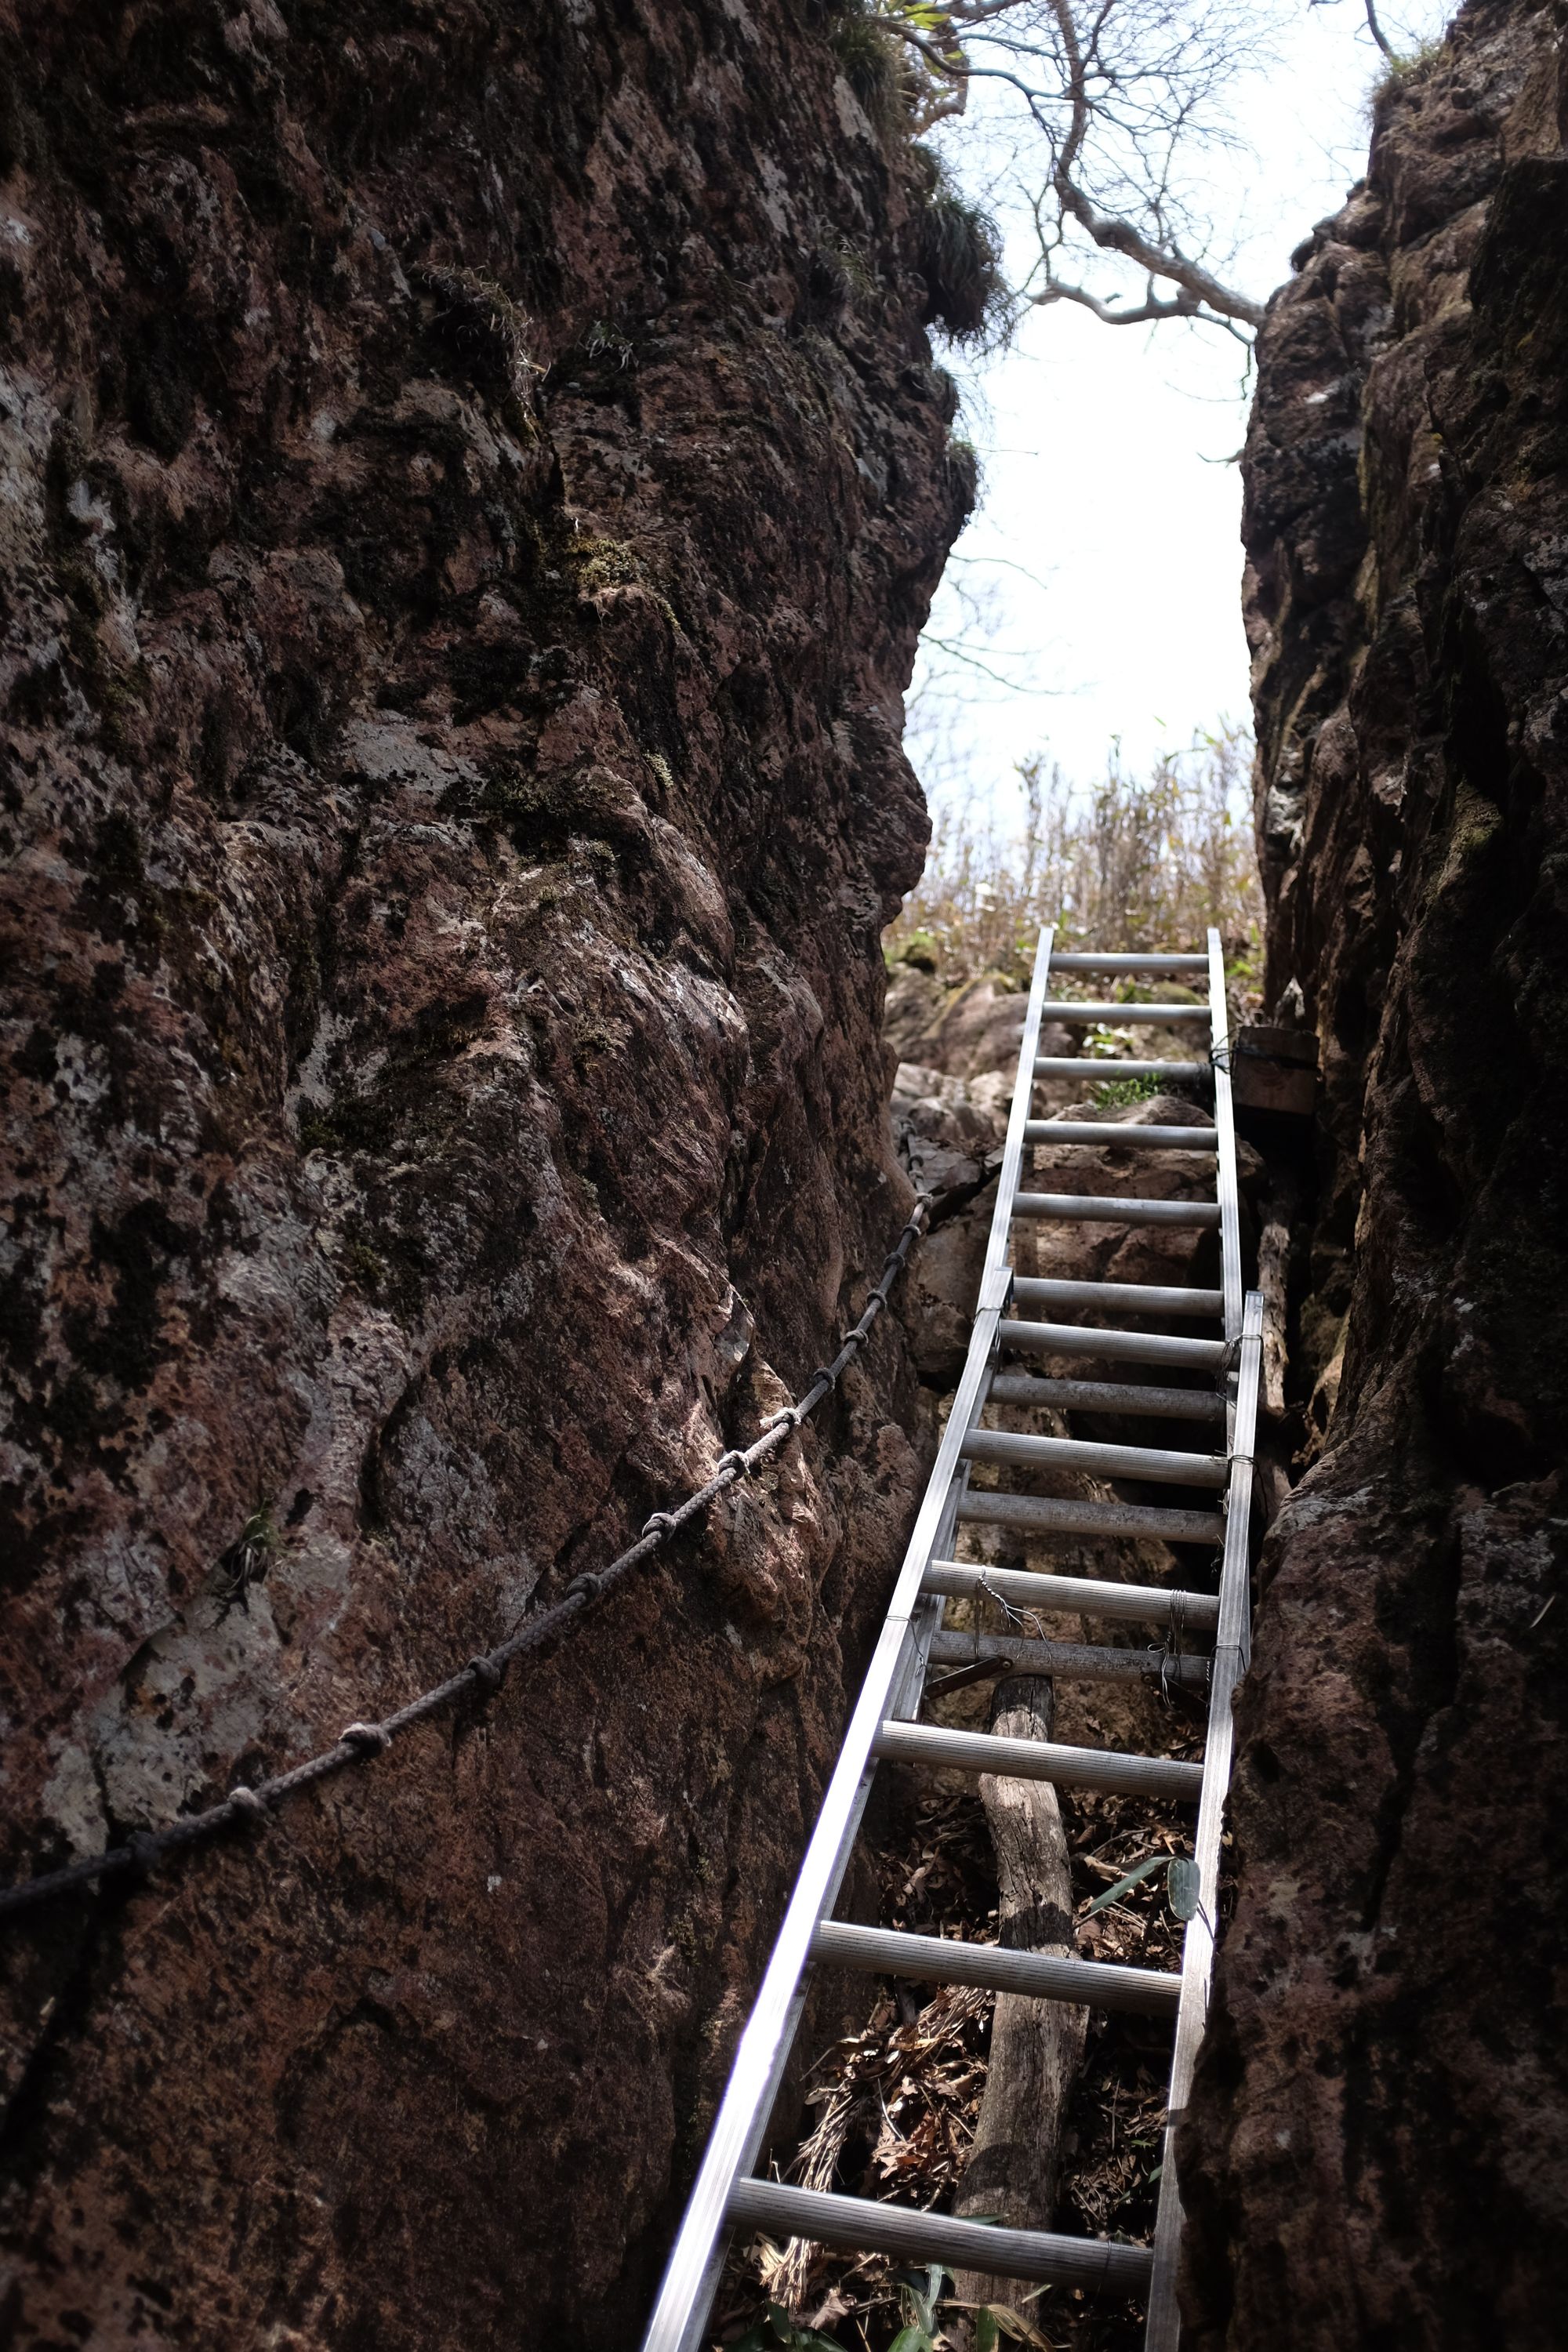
(1375, 29)
(1119, 94)
(1181, 306)
(1114, 236)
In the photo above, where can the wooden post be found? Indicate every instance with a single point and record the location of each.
(1037, 2046)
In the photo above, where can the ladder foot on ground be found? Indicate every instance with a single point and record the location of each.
(727, 2194)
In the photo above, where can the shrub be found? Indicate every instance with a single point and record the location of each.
(959, 255)
(1134, 863)
(1114, 1094)
(480, 325)
(871, 61)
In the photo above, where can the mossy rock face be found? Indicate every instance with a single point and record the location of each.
(475, 511)
(966, 1031)
(161, 389)
(1406, 507)
(543, 814)
(406, 1100)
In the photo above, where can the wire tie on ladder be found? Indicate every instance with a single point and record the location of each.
(789, 1418)
(660, 1524)
(365, 1738)
(589, 1585)
(733, 1461)
(1028, 1618)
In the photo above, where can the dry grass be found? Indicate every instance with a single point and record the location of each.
(1134, 863)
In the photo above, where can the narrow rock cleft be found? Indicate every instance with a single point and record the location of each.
(1377, 2143)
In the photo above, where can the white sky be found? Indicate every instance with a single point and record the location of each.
(1098, 449)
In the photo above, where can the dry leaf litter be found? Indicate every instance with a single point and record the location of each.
(894, 2107)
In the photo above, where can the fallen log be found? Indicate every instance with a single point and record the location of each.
(1037, 2046)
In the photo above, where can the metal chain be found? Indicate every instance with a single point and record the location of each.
(358, 1743)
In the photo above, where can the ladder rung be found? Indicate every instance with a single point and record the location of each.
(1024, 1526)
(1099, 1068)
(1048, 1515)
(937, 1959)
(1105, 1208)
(1084, 1596)
(1085, 960)
(1074, 1662)
(865, 2224)
(1038, 1760)
(1131, 1297)
(1116, 1346)
(1106, 1396)
(1118, 1131)
(1123, 1016)
(1166, 1466)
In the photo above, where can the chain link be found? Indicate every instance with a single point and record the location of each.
(359, 1743)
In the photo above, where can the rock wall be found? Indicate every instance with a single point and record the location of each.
(473, 478)
(1380, 2132)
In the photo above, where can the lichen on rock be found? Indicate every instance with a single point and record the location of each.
(463, 553)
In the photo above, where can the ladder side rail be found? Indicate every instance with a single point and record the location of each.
(909, 1690)
(908, 1693)
(697, 2256)
(681, 2309)
(707, 2286)
(1008, 1182)
(1225, 1124)
(1231, 1649)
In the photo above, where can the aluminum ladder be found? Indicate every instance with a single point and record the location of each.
(727, 2193)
